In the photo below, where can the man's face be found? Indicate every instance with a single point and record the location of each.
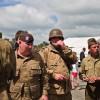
(57, 42)
(94, 49)
(25, 48)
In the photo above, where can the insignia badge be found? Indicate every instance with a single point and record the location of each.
(27, 38)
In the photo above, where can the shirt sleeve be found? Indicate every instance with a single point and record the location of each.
(82, 73)
(44, 79)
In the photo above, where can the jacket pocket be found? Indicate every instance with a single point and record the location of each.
(35, 71)
(18, 87)
(16, 91)
(35, 91)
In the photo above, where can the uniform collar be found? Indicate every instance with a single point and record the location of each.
(91, 58)
(52, 49)
(18, 55)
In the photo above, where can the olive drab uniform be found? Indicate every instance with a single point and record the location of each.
(7, 70)
(4, 83)
(31, 80)
(55, 64)
(91, 67)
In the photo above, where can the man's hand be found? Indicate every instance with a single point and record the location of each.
(59, 76)
(44, 97)
(85, 79)
(98, 78)
(91, 79)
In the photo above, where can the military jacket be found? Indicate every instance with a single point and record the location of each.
(90, 67)
(30, 76)
(55, 64)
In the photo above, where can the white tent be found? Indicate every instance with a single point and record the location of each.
(77, 43)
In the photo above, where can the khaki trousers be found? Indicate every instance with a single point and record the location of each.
(67, 96)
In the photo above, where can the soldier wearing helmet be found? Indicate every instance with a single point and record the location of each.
(58, 58)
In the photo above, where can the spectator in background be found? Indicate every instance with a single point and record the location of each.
(74, 74)
(82, 54)
(0, 35)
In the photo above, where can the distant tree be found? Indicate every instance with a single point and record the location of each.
(43, 44)
(36, 48)
(6, 39)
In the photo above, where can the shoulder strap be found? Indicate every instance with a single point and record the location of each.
(66, 60)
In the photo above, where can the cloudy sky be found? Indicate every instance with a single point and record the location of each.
(76, 18)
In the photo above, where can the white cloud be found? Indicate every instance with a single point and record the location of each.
(75, 17)
(22, 15)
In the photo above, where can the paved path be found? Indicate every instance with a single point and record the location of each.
(79, 93)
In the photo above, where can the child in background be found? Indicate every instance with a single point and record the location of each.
(74, 76)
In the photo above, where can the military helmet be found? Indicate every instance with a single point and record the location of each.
(55, 33)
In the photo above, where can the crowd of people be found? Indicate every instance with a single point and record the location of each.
(49, 74)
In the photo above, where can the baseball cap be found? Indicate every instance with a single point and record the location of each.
(26, 37)
(18, 33)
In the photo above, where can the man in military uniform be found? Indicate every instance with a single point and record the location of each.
(90, 71)
(99, 45)
(57, 58)
(7, 68)
(31, 82)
